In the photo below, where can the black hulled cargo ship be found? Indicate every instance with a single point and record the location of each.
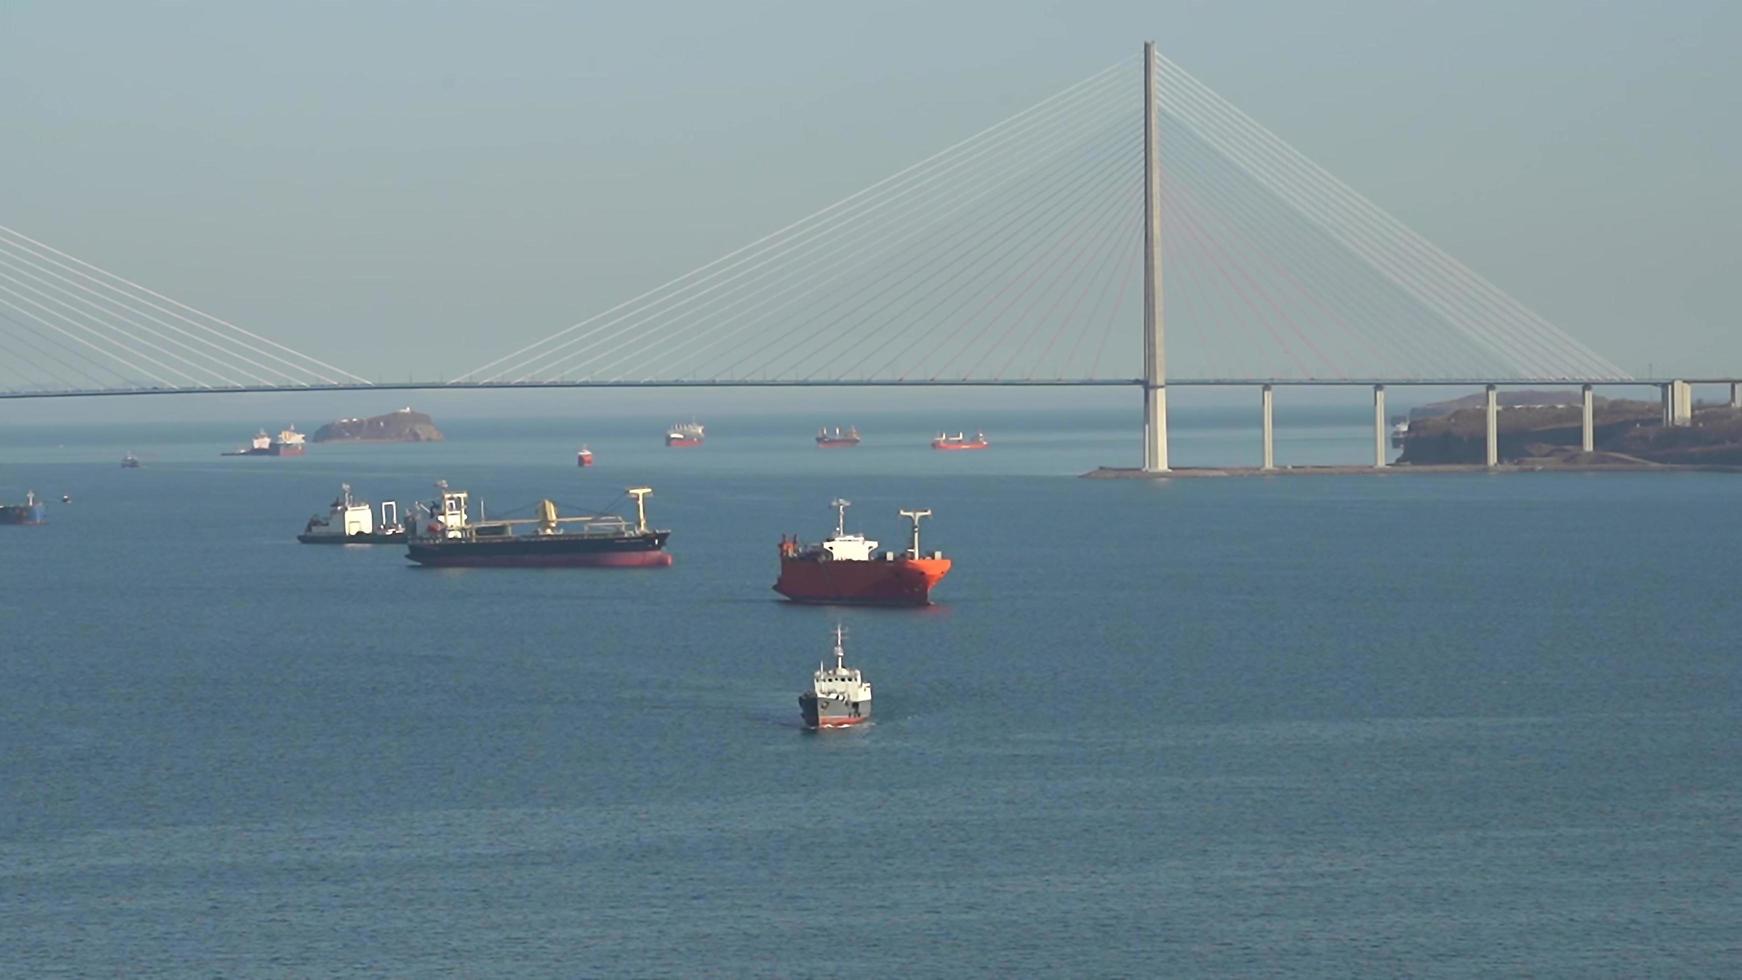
(449, 538)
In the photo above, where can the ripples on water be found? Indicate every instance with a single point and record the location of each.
(1426, 725)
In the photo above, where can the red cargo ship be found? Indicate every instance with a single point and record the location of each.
(845, 568)
(584, 457)
(685, 435)
(959, 441)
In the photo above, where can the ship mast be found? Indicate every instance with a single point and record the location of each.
(841, 515)
(914, 515)
(840, 654)
(640, 495)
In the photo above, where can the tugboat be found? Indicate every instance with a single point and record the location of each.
(1399, 431)
(130, 462)
(684, 435)
(584, 458)
(845, 568)
(450, 538)
(837, 439)
(350, 521)
(840, 696)
(29, 514)
(959, 442)
(289, 442)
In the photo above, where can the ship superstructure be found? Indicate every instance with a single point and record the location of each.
(839, 696)
(449, 537)
(351, 521)
(846, 568)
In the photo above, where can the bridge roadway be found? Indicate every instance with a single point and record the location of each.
(1676, 394)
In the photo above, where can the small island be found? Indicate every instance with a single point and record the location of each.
(404, 425)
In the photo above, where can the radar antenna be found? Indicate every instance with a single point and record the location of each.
(840, 506)
(914, 515)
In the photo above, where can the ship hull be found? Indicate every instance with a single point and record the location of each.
(901, 582)
(819, 714)
(681, 442)
(836, 443)
(23, 515)
(351, 538)
(553, 551)
(272, 451)
(958, 447)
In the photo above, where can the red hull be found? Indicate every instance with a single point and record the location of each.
(823, 723)
(959, 447)
(586, 460)
(902, 582)
(681, 443)
(620, 559)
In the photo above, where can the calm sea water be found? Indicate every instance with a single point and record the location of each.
(1430, 725)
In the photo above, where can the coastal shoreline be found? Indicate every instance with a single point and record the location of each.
(1200, 472)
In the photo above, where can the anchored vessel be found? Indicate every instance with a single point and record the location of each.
(960, 441)
(839, 696)
(130, 462)
(288, 442)
(584, 457)
(350, 521)
(450, 538)
(845, 568)
(684, 434)
(31, 512)
(837, 439)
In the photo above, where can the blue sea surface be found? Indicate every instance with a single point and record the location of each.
(1433, 725)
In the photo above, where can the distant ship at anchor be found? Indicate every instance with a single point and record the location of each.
(837, 439)
(959, 442)
(288, 442)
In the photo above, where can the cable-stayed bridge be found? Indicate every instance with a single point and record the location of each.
(1133, 229)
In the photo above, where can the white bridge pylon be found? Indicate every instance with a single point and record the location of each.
(1019, 254)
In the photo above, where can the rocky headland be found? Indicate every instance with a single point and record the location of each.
(404, 425)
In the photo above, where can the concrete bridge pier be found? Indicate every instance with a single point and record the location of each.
(1379, 427)
(1268, 397)
(1736, 394)
(1492, 410)
(1678, 403)
(1588, 437)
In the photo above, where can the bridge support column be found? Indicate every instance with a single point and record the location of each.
(1379, 427)
(1154, 353)
(1268, 398)
(1663, 398)
(1492, 410)
(1681, 403)
(1736, 394)
(1588, 437)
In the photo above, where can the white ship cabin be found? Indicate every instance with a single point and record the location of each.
(290, 437)
(840, 682)
(842, 546)
(450, 520)
(261, 441)
(349, 515)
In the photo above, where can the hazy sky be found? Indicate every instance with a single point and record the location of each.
(414, 188)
